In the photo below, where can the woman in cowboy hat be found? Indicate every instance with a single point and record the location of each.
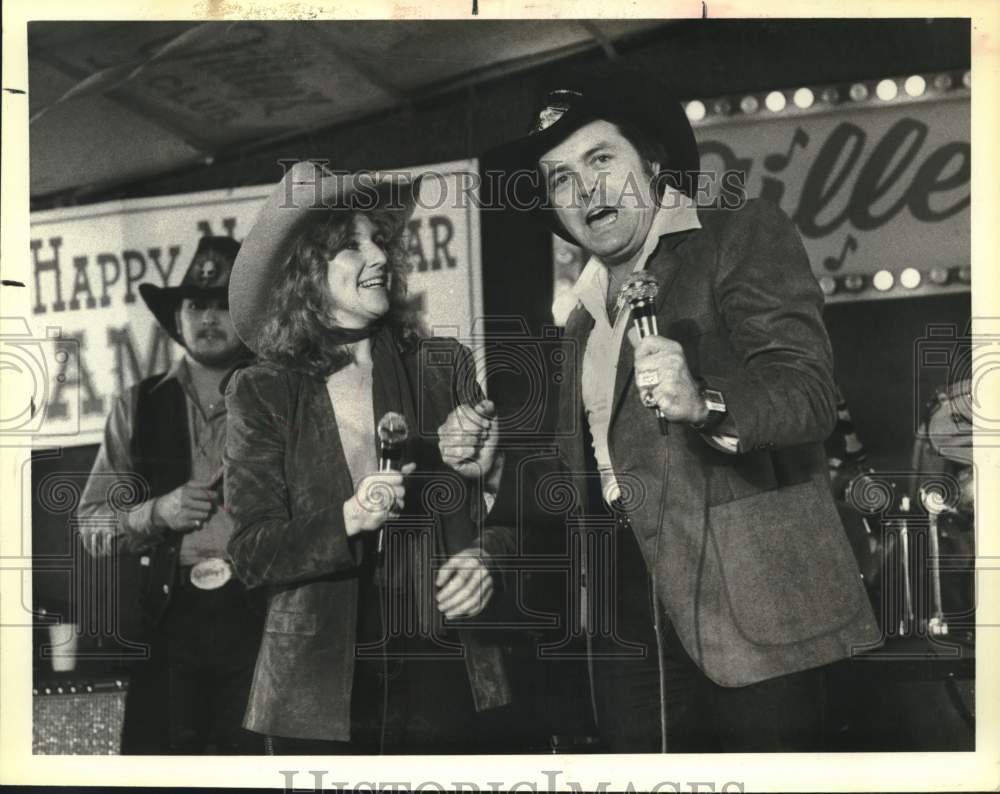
(347, 552)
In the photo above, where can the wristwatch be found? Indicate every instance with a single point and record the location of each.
(715, 402)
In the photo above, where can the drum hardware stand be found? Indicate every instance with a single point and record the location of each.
(937, 626)
(908, 618)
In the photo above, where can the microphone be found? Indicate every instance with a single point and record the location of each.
(393, 433)
(639, 293)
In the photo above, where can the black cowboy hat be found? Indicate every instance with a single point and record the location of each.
(628, 99)
(207, 277)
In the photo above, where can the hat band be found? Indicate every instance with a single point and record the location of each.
(559, 102)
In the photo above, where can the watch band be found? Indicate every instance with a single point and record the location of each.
(715, 402)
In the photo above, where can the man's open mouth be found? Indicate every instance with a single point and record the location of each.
(374, 281)
(600, 217)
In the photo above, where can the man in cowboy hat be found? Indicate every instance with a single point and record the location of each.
(730, 571)
(165, 438)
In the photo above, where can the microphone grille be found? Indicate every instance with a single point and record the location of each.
(637, 288)
(392, 428)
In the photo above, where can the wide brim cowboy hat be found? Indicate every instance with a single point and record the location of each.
(633, 100)
(207, 278)
(306, 188)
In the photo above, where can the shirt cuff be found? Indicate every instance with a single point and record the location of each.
(139, 522)
(723, 435)
(723, 442)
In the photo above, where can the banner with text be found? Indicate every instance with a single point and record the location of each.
(91, 336)
(872, 186)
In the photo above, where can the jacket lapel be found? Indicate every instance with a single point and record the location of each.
(318, 404)
(569, 430)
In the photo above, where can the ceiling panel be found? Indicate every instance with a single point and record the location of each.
(113, 101)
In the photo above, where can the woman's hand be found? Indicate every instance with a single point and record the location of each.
(468, 439)
(464, 584)
(379, 497)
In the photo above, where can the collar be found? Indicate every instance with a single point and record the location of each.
(178, 371)
(676, 213)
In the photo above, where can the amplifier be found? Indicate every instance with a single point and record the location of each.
(78, 717)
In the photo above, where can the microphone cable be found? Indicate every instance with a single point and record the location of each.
(657, 625)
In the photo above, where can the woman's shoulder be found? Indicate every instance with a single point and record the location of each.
(265, 379)
(439, 344)
(438, 351)
(449, 368)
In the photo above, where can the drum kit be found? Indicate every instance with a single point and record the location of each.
(917, 549)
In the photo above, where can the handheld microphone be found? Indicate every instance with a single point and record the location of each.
(393, 433)
(639, 293)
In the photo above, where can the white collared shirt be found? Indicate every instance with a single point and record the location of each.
(677, 213)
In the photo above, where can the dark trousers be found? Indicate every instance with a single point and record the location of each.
(780, 715)
(189, 698)
(423, 706)
(408, 697)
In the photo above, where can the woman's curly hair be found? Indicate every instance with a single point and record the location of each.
(296, 334)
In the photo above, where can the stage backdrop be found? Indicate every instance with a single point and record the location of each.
(91, 335)
(875, 175)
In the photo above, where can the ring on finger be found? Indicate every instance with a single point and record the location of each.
(647, 398)
(647, 377)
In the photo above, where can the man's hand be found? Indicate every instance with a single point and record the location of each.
(468, 439)
(464, 584)
(184, 508)
(99, 541)
(379, 497)
(664, 381)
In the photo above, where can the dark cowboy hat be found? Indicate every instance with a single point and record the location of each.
(307, 188)
(207, 277)
(628, 99)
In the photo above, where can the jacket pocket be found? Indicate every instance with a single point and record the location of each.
(734, 477)
(283, 622)
(787, 567)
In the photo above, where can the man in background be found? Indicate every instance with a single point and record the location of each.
(167, 433)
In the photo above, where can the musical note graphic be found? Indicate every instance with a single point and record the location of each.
(779, 162)
(836, 262)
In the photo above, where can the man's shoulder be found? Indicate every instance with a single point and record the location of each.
(146, 385)
(720, 220)
(142, 395)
